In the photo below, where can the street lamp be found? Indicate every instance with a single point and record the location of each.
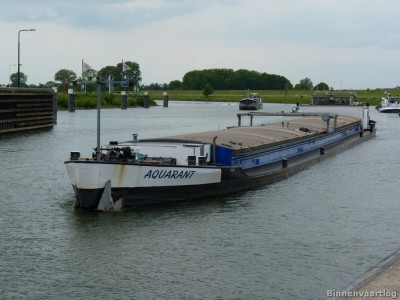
(19, 48)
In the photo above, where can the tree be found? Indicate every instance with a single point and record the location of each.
(132, 75)
(156, 87)
(22, 79)
(246, 80)
(194, 80)
(175, 85)
(288, 86)
(322, 86)
(65, 74)
(50, 84)
(208, 90)
(133, 72)
(109, 71)
(304, 84)
(116, 73)
(89, 74)
(227, 79)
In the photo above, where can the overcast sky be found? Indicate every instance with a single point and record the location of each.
(348, 44)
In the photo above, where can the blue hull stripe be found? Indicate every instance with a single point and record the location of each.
(258, 158)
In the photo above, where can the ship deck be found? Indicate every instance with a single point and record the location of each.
(249, 137)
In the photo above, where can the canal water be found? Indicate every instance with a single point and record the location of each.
(294, 239)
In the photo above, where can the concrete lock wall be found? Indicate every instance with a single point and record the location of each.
(26, 109)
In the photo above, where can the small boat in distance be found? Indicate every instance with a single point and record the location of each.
(251, 102)
(296, 108)
(391, 104)
(334, 98)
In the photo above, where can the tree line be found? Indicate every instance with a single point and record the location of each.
(207, 79)
(228, 79)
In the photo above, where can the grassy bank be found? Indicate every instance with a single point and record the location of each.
(89, 100)
(373, 97)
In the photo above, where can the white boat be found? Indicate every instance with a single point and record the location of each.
(191, 166)
(296, 108)
(391, 104)
(251, 102)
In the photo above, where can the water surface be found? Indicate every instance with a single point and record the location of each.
(294, 239)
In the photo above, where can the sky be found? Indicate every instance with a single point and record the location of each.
(347, 44)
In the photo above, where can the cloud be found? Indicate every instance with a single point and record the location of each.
(102, 14)
(295, 39)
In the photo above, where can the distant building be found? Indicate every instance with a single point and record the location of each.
(334, 98)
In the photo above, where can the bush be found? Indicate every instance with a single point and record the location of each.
(139, 101)
(89, 100)
(62, 101)
(111, 100)
(86, 102)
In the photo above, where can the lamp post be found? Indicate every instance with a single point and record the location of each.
(19, 50)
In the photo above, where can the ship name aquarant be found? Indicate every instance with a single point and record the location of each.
(175, 174)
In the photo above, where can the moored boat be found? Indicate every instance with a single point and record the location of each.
(251, 102)
(296, 108)
(190, 166)
(334, 98)
(391, 104)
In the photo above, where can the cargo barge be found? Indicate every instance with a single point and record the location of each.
(191, 166)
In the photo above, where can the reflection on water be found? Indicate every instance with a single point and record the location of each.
(297, 238)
